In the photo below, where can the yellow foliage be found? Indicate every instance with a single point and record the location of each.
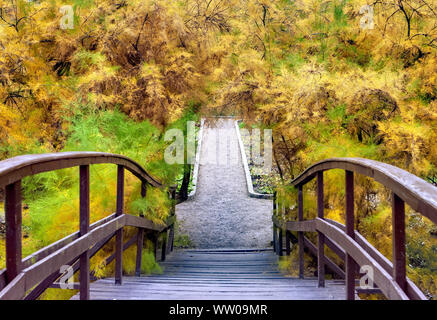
(304, 68)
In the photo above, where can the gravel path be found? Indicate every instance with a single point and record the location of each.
(221, 214)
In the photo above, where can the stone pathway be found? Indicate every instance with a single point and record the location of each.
(221, 214)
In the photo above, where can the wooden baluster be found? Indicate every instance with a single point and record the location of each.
(164, 245)
(84, 228)
(140, 238)
(287, 234)
(119, 233)
(274, 203)
(170, 239)
(287, 242)
(274, 226)
(300, 238)
(155, 240)
(274, 239)
(167, 243)
(13, 230)
(398, 227)
(321, 236)
(350, 263)
(280, 235)
(173, 202)
(143, 192)
(173, 213)
(140, 241)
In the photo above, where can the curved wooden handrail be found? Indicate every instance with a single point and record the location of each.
(14, 169)
(419, 194)
(29, 277)
(346, 242)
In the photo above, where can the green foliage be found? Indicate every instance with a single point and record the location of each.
(421, 249)
(182, 241)
(112, 131)
(340, 18)
(149, 265)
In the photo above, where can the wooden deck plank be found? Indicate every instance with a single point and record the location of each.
(217, 275)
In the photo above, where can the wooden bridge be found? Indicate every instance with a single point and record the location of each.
(210, 274)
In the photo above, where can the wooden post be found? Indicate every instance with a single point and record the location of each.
(119, 233)
(173, 206)
(173, 201)
(350, 263)
(155, 240)
(321, 236)
(140, 237)
(143, 189)
(274, 239)
(300, 238)
(287, 242)
(287, 234)
(164, 245)
(281, 231)
(13, 230)
(398, 226)
(274, 227)
(279, 239)
(170, 239)
(84, 218)
(274, 203)
(140, 241)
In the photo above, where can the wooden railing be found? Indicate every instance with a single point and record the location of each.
(28, 278)
(390, 278)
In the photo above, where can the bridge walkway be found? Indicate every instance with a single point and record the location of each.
(217, 274)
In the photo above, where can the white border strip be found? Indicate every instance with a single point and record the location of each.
(197, 160)
(249, 183)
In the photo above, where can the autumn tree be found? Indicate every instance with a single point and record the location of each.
(412, 12)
